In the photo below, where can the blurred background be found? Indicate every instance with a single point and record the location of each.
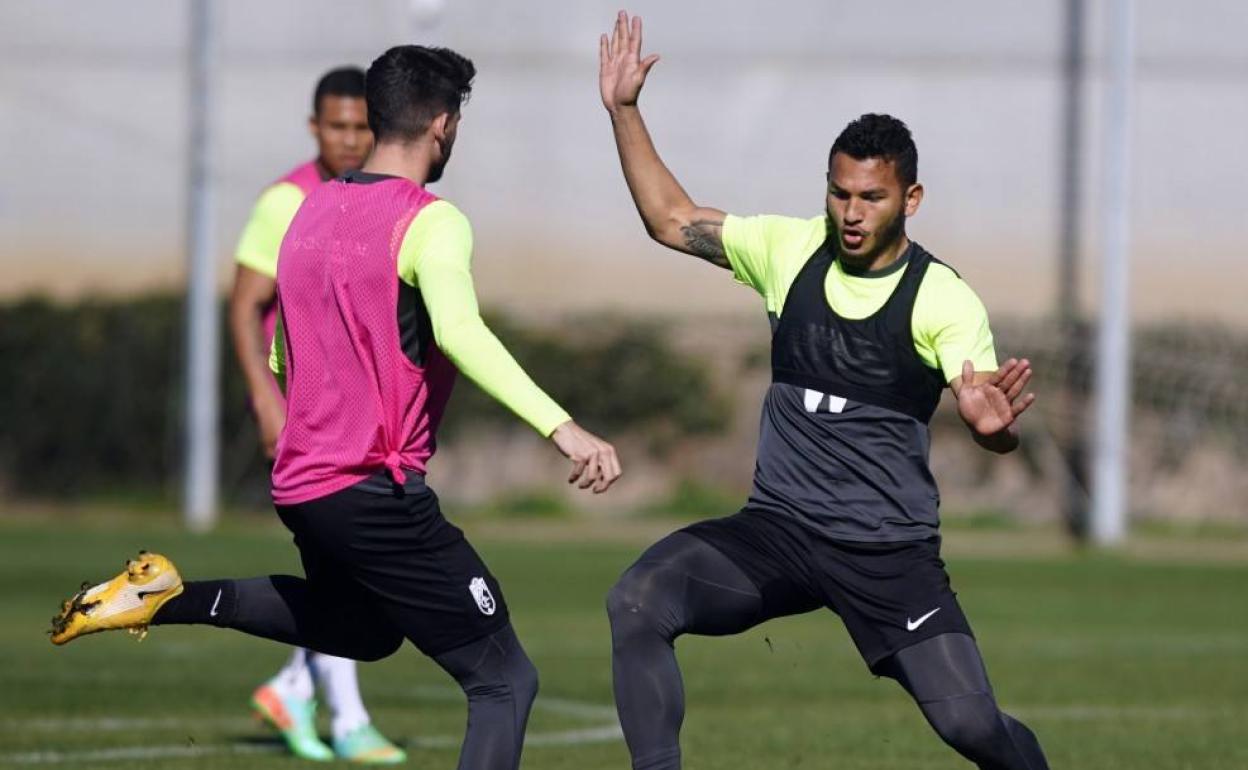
(1008, 104)
(1082, 162)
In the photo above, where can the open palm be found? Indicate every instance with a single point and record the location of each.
(621, 70)
(992, 405)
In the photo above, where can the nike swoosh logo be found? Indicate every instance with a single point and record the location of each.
(212, 613)
(912, 625)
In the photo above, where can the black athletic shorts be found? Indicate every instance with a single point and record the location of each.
(890, 595)
(393, 548)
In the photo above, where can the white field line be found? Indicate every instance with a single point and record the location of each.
(1161, 643)
(596, 734)
(579, 709)
(554, 705)
(601, 733)
(565, 706)
(120, 724)
(1081, 712)
(574, 708)
(604, 734)
(589, 712)
(128, 753)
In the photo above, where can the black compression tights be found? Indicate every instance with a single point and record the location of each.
(494, 671)
(683, 585)
(945, 675)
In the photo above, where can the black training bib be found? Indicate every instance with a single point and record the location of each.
(870, 360)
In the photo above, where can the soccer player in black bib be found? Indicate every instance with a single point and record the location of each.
(868, 329)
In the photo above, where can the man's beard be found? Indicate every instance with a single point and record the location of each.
(884, 238)
(435, 173)
(444, 151)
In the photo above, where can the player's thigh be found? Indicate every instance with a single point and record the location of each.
(742, 553)
(424, 575)
(890, 595)
(338, 603)
(939, 668)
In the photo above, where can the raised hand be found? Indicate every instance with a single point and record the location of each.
(621, 70)
(991, 406)
(594, 462)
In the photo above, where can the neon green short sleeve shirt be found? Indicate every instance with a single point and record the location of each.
(262, 236)
(949, 323)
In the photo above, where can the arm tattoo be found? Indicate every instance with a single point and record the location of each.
(704, 237)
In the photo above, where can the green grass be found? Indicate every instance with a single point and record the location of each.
(1115, 664)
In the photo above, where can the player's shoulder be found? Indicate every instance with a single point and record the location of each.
(782, 220)
(776, 235)
(280, 195)
(439, 227)
(779, 224)
(940, 273)
(441, 208)
(305, 177)
(441, 214)
(803, 234)
(944, 291)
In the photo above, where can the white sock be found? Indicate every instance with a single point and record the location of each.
(341, 689)
(295, 680)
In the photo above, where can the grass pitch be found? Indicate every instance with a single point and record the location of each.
(1116, 664)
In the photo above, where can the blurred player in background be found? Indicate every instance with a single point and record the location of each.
(339, 124)
(377, 313)
(868, 329)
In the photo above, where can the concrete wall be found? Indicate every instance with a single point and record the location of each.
(744, 106)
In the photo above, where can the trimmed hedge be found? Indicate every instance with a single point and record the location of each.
(91, 395)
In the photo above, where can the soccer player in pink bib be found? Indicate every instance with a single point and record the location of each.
(377, 315)
(339, 124)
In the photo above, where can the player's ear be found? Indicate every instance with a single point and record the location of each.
(314, 127)
(914, 196)
(439, 126)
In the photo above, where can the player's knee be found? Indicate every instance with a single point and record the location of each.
(515, 682)
(638, 603)
(524, 681)
(625, 600)
(972, 728)
(617, 600)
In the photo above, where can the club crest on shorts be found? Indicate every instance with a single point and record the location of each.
(481, 594)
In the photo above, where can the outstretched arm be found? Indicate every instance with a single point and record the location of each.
(435, 255)
(991, 402)
(670, 215)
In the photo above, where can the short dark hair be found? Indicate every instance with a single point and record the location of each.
(884, 137)
(343, 81)
(409, 85)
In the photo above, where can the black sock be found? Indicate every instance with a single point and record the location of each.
(202, 601)
(337, 619)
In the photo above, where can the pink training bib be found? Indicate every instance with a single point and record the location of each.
(356, 403)
(307, 177)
